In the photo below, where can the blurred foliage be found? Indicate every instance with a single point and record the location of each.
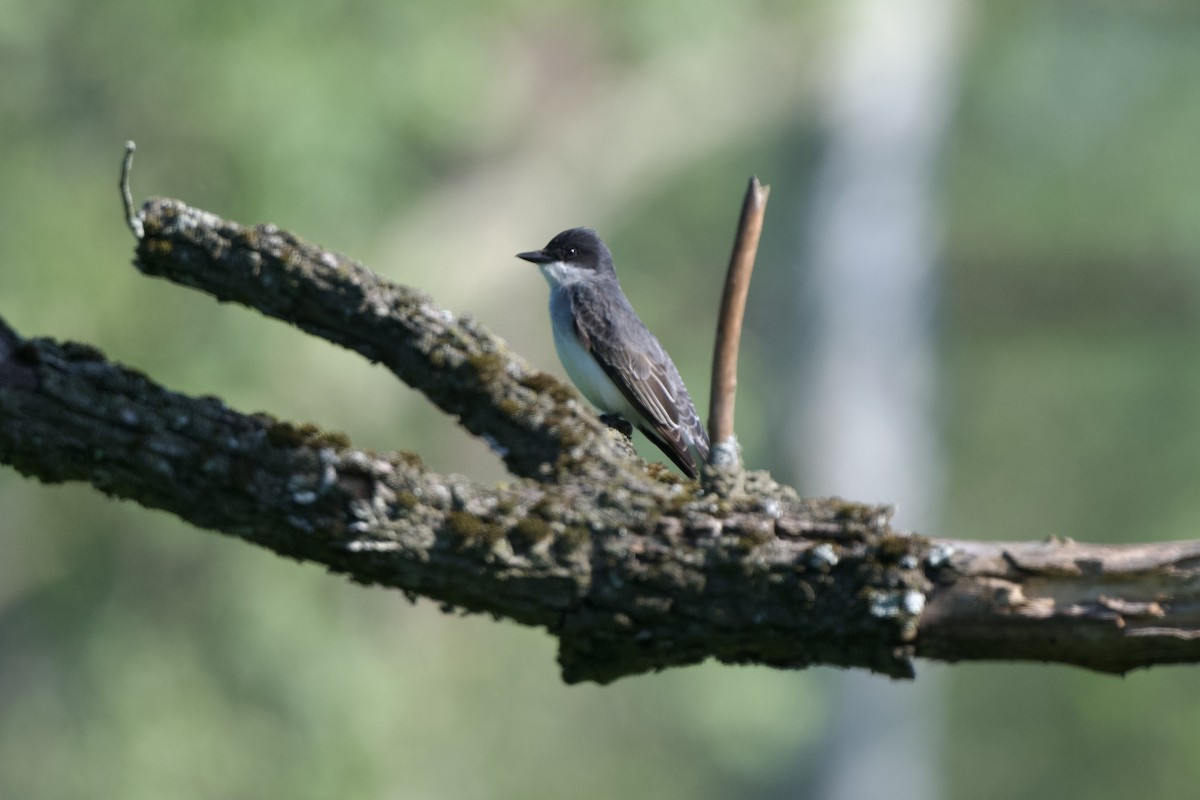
(154, 660)
(1073, 386)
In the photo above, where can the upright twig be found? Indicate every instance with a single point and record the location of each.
(131, 218)
(733, 307)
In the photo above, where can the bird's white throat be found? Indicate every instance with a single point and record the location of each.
(560, 273)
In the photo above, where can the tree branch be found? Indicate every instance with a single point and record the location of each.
(631, 567)
(529, 418)
(1104, 607)
(632, 575)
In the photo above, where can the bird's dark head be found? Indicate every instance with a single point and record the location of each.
(572, 254)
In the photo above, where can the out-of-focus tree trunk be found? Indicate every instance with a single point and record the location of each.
(867, 424)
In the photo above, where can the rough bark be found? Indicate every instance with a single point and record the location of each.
(532, 421)
(1104, 607)
(632, 567)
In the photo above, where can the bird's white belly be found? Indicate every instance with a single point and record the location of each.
(589, 378)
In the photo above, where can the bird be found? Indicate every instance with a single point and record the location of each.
(609, 353)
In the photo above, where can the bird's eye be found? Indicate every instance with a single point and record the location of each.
(572, 252)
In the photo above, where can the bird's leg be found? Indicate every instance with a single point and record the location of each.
(617, 422)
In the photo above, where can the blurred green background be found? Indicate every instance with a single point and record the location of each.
(140, 658)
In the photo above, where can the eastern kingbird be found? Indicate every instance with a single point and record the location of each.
(609, 354)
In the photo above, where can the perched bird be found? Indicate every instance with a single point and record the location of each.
(608, 352)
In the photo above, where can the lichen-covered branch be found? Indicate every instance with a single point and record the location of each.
(67, 414)
(631, 567)
(532, 421)
(632, 574)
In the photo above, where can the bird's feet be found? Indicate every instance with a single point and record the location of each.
(617, 422)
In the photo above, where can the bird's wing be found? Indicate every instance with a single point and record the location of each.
(646, 376)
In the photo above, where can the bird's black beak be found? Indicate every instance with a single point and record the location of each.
(536, 257)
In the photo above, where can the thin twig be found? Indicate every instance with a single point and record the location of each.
(131, 217)
(733, 307)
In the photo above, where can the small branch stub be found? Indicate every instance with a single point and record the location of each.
(733, 308)
(132, 220)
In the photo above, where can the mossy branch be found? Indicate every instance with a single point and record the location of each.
(631, 567)
(530, 419)
(633, 574)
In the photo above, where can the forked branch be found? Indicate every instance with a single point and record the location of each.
(630, 566)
